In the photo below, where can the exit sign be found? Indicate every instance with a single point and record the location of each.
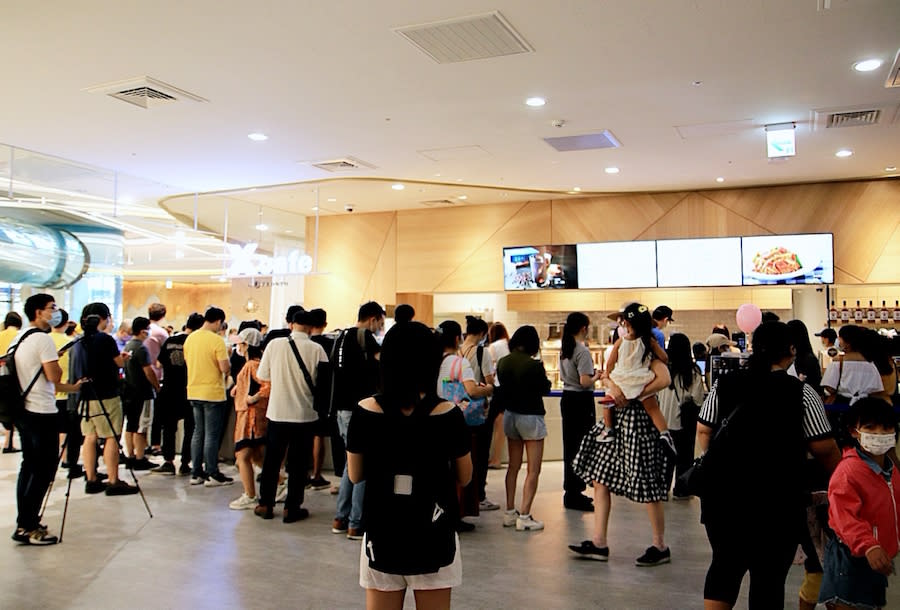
(780, 143)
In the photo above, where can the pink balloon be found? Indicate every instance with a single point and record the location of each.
(748, 317)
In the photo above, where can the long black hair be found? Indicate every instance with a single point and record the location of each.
(642, 324)
(449, 331)
(800, 338)
(410, 364)
(771, 344)
(526, 339)
(574, 323)
(681, 361)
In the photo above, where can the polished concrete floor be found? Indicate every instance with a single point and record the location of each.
(196, 553)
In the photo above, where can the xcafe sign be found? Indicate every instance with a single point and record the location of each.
(245, 262)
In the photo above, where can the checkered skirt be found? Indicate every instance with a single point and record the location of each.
(633, 465)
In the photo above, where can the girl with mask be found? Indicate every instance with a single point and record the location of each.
(863, 496)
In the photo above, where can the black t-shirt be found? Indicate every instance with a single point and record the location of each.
(101, 367)
(171, 358)
(356, 373)
(275, 334)
(410, 500)
(809, 365)
(524, 382)
(326, 341)
(137, 386)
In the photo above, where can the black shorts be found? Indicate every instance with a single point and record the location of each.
(322, 427)
(132, 408)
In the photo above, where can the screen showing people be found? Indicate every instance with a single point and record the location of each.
(540, 267)
(788, 259)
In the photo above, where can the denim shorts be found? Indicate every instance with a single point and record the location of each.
(850, 580)
(519, 427)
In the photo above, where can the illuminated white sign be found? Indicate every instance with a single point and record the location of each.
(245, 262)
(780, 141)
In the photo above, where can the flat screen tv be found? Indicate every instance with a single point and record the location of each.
(540, 267)
(617, 264)
(788, 259)
(699, 262)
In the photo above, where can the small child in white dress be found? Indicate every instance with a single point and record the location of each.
(628, 368)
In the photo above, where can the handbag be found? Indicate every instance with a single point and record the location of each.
(454, 390)
(695, 480)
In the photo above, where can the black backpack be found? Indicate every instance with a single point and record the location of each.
(348, 363)
(12, 397)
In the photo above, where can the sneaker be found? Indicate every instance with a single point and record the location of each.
(218, 480)
(607, 436)
(40, 537)
(166, 468)
(198, 480)
(588, 550)
(526, 523)
(668, 443)
(263, 511)
(510, 517)
(680, 498)
(653, 557)
(335, 490)
(20, 535)
(121, 488)
(281, 493)
(339, 526)
(184, 470)
(488, 505)
(293, 515)
(319, 483)
(94, 487)
(354, 533)
(11, 450)
(141, 464)
(464, 526)
(245, 502)
(578, 502)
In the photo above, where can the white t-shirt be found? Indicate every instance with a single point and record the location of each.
(857, 380)
(446, 365)
(37, 349)
(290, 399)
(498, 349)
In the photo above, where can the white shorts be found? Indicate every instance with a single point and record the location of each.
(445, 578)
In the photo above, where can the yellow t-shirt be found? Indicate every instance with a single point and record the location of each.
(60, 339)
(6, 337)
(202, 351)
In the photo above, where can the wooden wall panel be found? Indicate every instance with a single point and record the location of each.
(887, 265)
(611, 218)
(422, 303)
(698, 216)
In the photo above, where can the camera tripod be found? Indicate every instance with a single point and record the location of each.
(84, 413)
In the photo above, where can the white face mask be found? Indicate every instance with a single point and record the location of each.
(876, 444)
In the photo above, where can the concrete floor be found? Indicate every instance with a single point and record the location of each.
(196, 553)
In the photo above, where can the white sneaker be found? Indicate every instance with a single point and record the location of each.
(510, 517)
(488, 505)
(197, 480)
(245, 502)
(527, 523)
(281, 492)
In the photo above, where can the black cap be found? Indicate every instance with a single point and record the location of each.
(828, 333)
(663, 311)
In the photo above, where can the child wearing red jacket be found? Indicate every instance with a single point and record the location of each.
(864, 497)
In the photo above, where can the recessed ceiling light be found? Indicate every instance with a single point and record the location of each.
(720, 179)
(257, 137)
(890, 168)
(288, 230)
(697, 83)
(315, 208)
(398, 187)
(843, 153)
(577, 189)
(223, 279)
(612, 170)
(332, 199)
(867, 65)
(463, 197)
(535, 102)
(459, 179)
(262, 227)
(437, 175)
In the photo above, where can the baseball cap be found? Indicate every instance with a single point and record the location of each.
(716, 341)
(663, 311)
(828, 333)
(250, 336)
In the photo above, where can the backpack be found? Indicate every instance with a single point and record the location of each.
(453, 390)
(12, 397)
(348, 362)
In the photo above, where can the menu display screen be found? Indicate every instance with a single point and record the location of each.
(699, 262)
(788, 259)
(619, 264)
(540, 267)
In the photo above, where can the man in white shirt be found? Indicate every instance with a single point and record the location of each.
(37, 366)
(291, 414)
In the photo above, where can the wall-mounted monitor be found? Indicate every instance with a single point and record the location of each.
(788, 259)
(699, 262)
(540, 267)
(617, 264)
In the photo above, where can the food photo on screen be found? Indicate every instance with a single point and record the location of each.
(540, 267)
(788, 259)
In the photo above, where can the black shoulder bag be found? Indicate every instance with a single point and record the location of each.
(319, 405)
(695, 481)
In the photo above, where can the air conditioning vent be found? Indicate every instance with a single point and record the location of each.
(587, 141)
(433, 203)
(854, 116)
(145, 92)
(853, 119)
(344, 164)
(466, 38)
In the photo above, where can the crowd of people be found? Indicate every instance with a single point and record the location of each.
(417, 416)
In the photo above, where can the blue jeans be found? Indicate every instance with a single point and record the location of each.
(209, 427)
(350, 496)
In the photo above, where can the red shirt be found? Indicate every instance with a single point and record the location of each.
(863, 505)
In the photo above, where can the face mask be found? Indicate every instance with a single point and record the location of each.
(56, 318)
(877, 444)
(623, 332)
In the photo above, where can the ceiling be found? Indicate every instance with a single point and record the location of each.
(686, 86)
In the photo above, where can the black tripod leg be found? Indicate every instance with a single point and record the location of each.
(62, 452)
(62, 526)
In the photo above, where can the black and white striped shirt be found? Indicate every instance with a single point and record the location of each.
(815, 422)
